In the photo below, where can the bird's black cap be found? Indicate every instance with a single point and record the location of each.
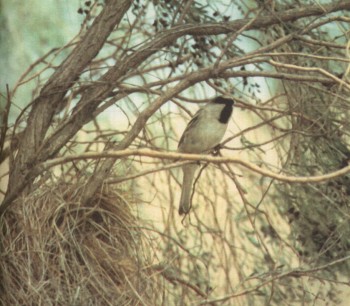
(223, 100)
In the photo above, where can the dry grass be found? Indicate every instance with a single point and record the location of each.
(57, 252)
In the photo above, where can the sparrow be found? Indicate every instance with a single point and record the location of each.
(203, 133)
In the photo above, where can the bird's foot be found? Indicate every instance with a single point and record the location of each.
(216, 150)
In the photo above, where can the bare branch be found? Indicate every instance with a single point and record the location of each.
(290, 273)
(195, 157)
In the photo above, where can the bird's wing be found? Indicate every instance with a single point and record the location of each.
(190, 126)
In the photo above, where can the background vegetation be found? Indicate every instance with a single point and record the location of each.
(90, 176)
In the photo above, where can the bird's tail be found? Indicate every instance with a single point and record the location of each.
(188, 176)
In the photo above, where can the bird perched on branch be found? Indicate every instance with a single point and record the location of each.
(202, 134)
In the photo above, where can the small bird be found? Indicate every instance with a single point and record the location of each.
(202, 134)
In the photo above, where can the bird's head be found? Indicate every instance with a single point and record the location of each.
(223, 100)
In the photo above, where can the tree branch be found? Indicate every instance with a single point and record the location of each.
(32, 149)
(95, 95)
(195, 157)
(290, 273)
(56, 87)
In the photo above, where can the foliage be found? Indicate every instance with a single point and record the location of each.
(268, 224)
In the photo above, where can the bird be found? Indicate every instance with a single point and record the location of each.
(203, 133)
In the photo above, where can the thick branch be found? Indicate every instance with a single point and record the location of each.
(62, 79)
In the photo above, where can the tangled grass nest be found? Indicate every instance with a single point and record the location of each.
(57, 252)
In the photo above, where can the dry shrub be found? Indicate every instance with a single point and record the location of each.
(57, 252)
